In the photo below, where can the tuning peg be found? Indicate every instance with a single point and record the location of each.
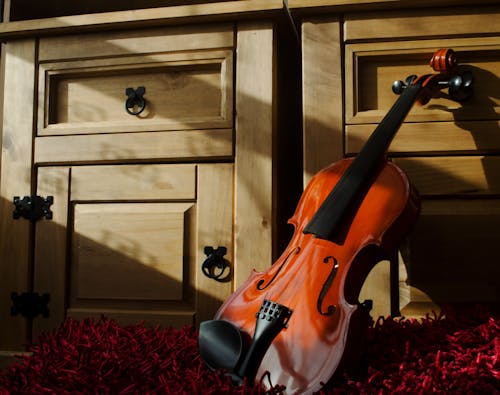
(460, 86)
(399, 86)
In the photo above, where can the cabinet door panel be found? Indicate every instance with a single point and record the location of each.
(449, 255)
(133, 182)
(134, 257)
(128, 251)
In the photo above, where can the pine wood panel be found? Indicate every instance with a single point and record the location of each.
(445, 23)
(215, 228)
(322, 94)
(105, 273)
(192, 13)
(6, 11)
(50, 247)
(128, 251)
(183, 91)
(181, 12)
(316, 6)
(133, 182)
(108, 44)
(15, 180)
(436, 137)
(213, 143)
(449, 257)
(453, 175)
(29, 9)
(377, 288)
(255, 122)
(371, 68)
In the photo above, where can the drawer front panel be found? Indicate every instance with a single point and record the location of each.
(372, 68)
(182, 91)
(453, 175)
(435, 138)
(441, 127)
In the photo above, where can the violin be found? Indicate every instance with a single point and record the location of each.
(300, 322)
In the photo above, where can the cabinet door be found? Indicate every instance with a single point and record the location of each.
(127, 242)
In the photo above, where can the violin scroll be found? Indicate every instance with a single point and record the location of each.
(444, 61)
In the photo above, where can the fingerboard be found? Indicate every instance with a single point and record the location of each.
(356, 180)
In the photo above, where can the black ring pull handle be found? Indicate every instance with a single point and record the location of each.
(215, 265)
(135, 103)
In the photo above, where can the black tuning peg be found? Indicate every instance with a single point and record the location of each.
(460, 86)
(399, 86)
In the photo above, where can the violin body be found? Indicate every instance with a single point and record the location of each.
(299, 322)
(304, 355)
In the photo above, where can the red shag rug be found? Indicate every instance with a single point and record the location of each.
(454, 354)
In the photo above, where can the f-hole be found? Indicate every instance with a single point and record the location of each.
(261, 283)
(326, 287)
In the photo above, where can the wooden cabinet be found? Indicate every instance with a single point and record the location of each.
(137, 198)
(215, 157)
(449, 150)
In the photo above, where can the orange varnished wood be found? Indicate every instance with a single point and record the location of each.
(443, 61)
(305, 354)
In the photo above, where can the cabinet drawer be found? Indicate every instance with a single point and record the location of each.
(371, 68)
(182, 91)
(187, 86)
(470, 176)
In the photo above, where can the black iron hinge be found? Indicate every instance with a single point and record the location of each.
(32, 207)
(30, 304)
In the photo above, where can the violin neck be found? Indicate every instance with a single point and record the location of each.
(358, 177)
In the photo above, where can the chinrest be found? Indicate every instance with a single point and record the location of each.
(220, 344)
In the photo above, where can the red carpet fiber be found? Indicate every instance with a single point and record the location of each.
(450, 355)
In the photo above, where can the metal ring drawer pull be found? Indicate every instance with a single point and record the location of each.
(135, 103)
(215, 265)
